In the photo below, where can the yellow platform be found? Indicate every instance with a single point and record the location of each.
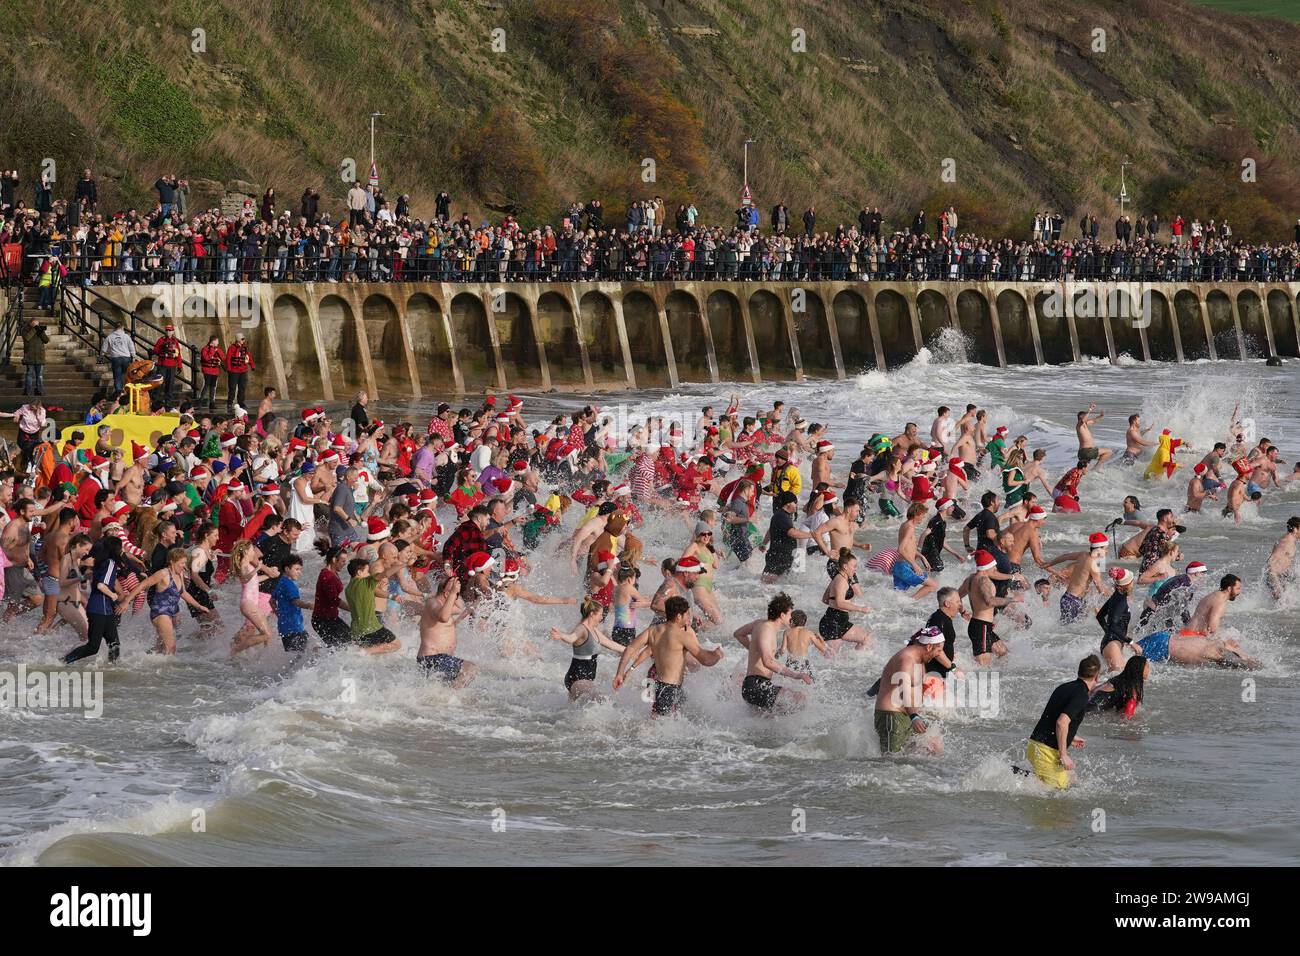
(124, 429)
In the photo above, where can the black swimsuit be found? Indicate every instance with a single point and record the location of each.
(835, 623)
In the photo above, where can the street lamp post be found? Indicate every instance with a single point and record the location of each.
(1123, 190)
(373, 117)
(748, 143)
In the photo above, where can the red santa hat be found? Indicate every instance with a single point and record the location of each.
(479, 562)
(1121, 576)
(605, 560)
(620, 491)
(943, 504)
(1199, 468)
(1197, 567)
(1037, 513)
(519, 467)
(200, 472)
(984, 561)
(511, 569)
(921, 490)
(1097, 540)
(235, 487)
(824, 446)
(227, 440)
(957, 467)
(376, 528)
(516, 403)
(688, 565)
(270, 488)
(829, 497)
(502, 485)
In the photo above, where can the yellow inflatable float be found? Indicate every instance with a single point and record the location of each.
(1162, 461)
(128, 429)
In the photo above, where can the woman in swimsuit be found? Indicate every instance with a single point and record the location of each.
(701, 547)
(246, 561)
(838, 598)
(1014, 484)
(626, 601)
(202, 562)
(71, 605)
(166, 590)
(586, 640)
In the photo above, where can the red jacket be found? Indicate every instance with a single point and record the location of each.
(168, 350)
(230, 523)
(238, 359)
(212, 359)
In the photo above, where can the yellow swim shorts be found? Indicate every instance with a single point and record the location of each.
(1047, 765)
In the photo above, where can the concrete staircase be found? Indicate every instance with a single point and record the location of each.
(73, 371)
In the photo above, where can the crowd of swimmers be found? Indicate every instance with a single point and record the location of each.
(428, 528)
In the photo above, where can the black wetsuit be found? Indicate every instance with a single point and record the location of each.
(1114, 619)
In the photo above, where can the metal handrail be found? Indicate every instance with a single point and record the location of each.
(80, 304)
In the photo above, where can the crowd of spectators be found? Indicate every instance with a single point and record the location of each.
(381, 240)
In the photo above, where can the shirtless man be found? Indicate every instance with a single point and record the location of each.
(438, 619)
(21, 592)
(669, 643)
(1022, 536)
(1134, 440)
(1088, 450)
(982, 593)
(941, 429)
(759, 638)
(965, 448)
(910, 569)
(1196, 490)
(1266, 469)
(955, 482)
(1281, 561)
(904, 443)
(54, 544)
(901, 682)
(1237, 495)
(1084, 572)
(1196, 643)
(1034, 471)
(821, 465)
(842, 530)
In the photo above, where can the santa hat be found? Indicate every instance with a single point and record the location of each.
(619, 491)
(428, 494)
(503, 419)
(479, 562)
(297, 444)
(688, 565)
(98, 462)
(921, 490)
(511, 569)
(200, 473)
(824, 446)
(1002, 430)
(520, 466)
(1097, 540)
(984, 561)
(502, 485)
(943, 504)
(1197, 567)
(376, 528)
(490, 400)
(227, 440)
(605, 559)
(138, 451)
(1037, 513)
(1121, 576)
(829, 497)
(1200, 468)
(339, 441)
(270, 488)
(122, 512)
(516, 403)
(583, 496)
(957, 467)
(234, 487)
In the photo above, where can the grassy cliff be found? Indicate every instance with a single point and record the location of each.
(1016, 93)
